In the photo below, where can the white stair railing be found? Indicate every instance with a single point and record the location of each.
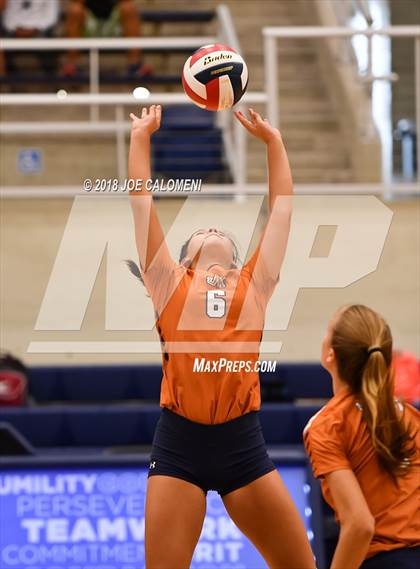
(270, 96)
(234, 137)
(273, 34)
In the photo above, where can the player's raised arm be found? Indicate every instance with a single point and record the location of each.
(268, 257)
(279, 175)
(150, 239)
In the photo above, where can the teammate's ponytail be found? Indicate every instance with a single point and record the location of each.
(362, 343)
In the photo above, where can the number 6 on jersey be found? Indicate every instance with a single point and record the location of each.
(216, 303)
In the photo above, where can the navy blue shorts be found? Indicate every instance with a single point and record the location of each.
(404, 558)
(221, 457)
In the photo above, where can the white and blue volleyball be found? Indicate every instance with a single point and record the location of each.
(215, 77)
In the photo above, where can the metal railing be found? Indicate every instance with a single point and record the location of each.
(120, 126)
(272, 34)
(343, 11)
(95, 45)
(235, 141)
(234, 137)
(369, 189)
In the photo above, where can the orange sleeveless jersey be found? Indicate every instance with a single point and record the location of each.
(336, 438)
(212, 314)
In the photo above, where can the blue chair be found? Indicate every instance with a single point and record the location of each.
(278, 423)
(42, 426)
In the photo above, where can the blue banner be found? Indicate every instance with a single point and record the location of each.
(79, 518)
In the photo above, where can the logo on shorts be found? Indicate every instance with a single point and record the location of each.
(152, 465)
(216, 280)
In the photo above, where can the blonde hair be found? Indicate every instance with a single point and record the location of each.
(362, 343)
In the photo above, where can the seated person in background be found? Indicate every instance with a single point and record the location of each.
(13, 381)
(27, 19)
(102, 10)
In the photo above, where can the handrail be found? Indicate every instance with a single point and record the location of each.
(270, 97)
(234, 144)
(118, 127)
(110, 99)
(227, 28)
(233, 138)
(95, 45)
(48, 44)
(27, 192)
(338, 31)
(271, 34)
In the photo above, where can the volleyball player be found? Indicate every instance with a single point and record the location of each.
(208, 436)
(364, 445)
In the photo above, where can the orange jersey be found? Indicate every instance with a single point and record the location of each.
(337, 438)
(216, 314)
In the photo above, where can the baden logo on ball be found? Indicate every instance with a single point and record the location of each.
(215, 77)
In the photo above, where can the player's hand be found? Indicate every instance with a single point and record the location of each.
(149, 120)
(258, 126)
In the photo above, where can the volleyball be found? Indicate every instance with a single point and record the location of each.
(215, 77)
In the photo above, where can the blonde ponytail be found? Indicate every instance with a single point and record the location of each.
(362, 343)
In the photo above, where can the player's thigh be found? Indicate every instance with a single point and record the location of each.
(175, 511)
(266, 514)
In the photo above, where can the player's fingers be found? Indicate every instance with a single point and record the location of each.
(158, 113)
(143, 112)
(244, 122)
(133, 117)
(253, 120)
(255, 116)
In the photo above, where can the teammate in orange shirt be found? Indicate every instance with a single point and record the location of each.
(208, 435)
(364, 445)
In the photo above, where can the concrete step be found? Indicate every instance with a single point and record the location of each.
(238, 7)
(308, 141)
(179, 29)
(291, 56)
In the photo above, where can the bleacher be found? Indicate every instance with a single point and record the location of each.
(115, 408)
(189, 143)
(155, 18)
